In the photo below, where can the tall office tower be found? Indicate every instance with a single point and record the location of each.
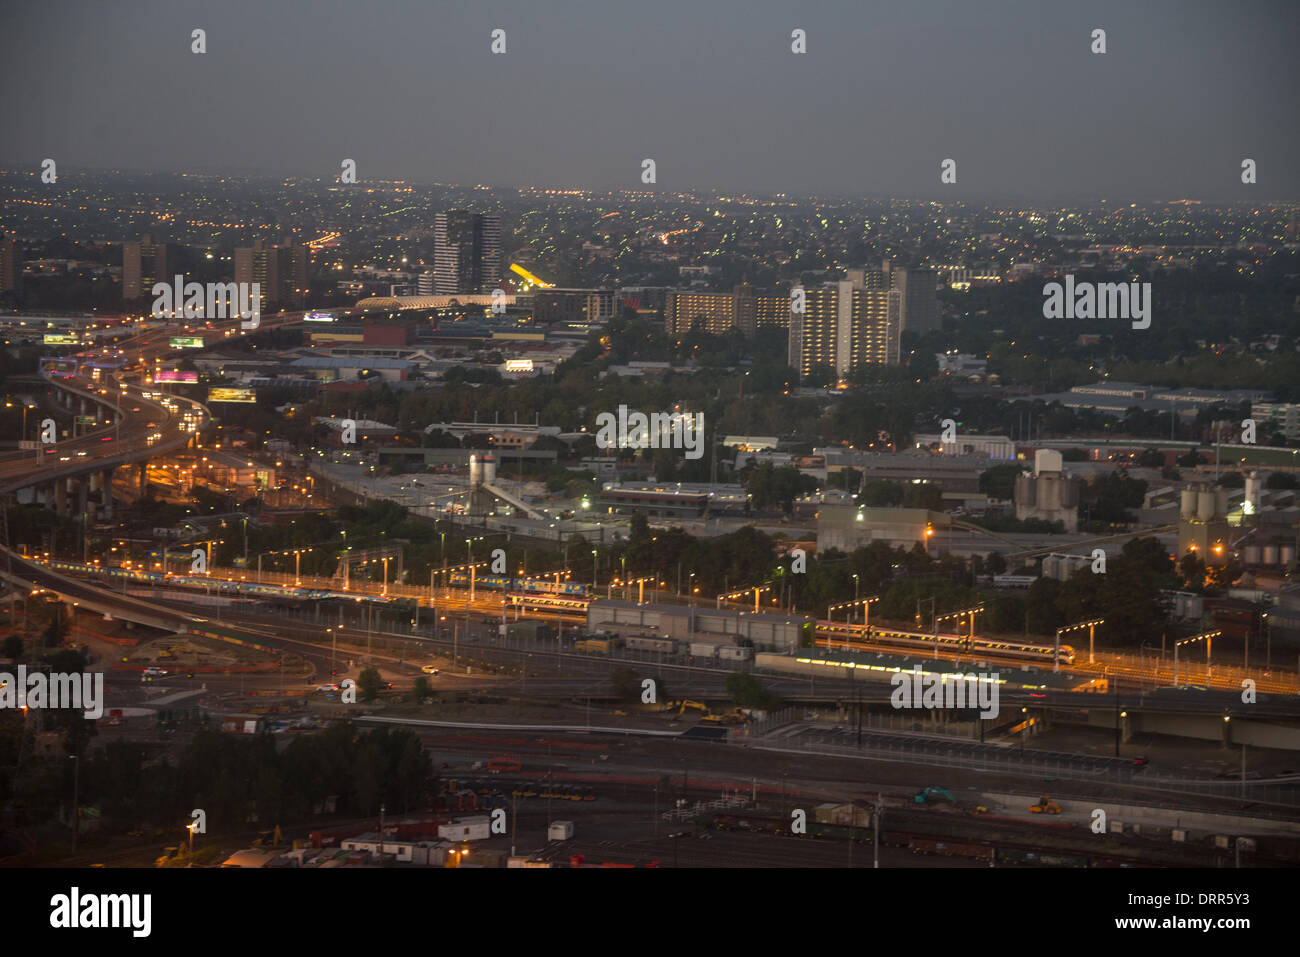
(844, 324)
(424, 284)
(876, 316)
(294, 260)
(280, 272)
(814, 332)
(258, 264)
(143, 264)
(11, 263)
(466, 252)
(920, 304)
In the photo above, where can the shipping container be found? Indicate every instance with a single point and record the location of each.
(667, 646)
(560, 831)
(466, 829)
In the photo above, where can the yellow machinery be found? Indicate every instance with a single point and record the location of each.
(1045, 805)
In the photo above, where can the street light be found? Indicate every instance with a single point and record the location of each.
(1090, 625)
(76, 801)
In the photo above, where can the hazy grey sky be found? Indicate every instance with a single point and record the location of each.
(707, 88)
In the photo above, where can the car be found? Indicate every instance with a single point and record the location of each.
(327, 687)
(429, 670)
(65, 458)
(150, 673)
(82, 454)
(107, 438)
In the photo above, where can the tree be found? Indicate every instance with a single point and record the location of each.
(369, 684)
(421, 689)
(882, 493)
(625, 684)
(638, 528)
(1192, 570)
(1000, 481)
(1223, 576)
(748, 692)
(996, 564)
(924, 495)
(12, 647)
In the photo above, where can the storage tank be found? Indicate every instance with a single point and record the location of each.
(1286, 554)
(1188, 509)
(1221, 502)
(482, 469)
(1252, 490)
(1270, 554)
(1251, 554)
(1205, 502)
(1047, 461)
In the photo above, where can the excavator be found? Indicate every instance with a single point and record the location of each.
(924, 797)
(732, 717)
(684, 704)
(272, 838)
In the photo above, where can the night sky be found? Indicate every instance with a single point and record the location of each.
(707, 88)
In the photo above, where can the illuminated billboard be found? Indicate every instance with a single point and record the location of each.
(186, 342)
(232, 395)
(176, 375)
(61, 339)
(318, 317)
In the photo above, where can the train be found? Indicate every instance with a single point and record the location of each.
(762, 822)
(217, 585)
(536, 586)
(836, 633)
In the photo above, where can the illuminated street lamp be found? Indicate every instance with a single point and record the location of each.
(1090, 625)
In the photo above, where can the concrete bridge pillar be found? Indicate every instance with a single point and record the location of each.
(106, 488)
(61, 497)
(142, 476)
(83, 497)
